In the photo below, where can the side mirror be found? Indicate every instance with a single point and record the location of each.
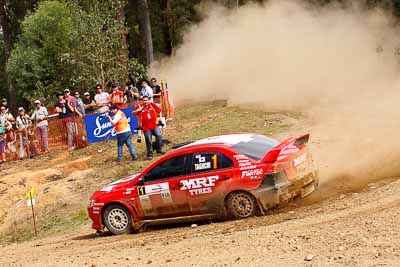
(140, 182)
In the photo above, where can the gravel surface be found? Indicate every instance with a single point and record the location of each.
(352, 229)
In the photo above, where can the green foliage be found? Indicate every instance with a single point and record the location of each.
(99, 57)
(3, 84)
(62, 44)
(47, 35)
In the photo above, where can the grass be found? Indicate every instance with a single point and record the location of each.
(194, 121)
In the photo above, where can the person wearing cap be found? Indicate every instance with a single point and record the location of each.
(117, 96)
(70, 100)
(6, 118)
(147, 114)
(4, 103)
(102, 99)
(88, 103)
(39, 116)
(123, 130)
(24, 125)
(79, 108)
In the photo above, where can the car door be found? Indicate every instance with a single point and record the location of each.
(205, 188)
(160, 195)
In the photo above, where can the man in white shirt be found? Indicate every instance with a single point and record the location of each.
(146, 91)
(102, 99)
(39, 116)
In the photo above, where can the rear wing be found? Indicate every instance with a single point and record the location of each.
(292, 144)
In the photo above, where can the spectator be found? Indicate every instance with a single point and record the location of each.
(102, 99)
(146, 91)
(80, 109)
(148, 117)
(117, 97)
(70, 99)
(123, 129)
(66, 113)
(156, 90)
(4, 103)
(5, 118)
(88, 103)
(24, 125)
(39, 116)
(11, 139)
(2, 144)
(131, 94)
(9, 116)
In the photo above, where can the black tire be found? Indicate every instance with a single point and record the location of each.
(117, 219)
(241, 205)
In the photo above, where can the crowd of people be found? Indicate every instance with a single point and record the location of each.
(17, 134)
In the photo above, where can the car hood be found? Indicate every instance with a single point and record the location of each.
(121, 183)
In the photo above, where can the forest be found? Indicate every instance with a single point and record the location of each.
(49, 45)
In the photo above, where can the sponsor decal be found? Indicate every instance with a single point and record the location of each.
(300, 160)
(107, 188)
(99, 128)
(240, 156)
(253, 174)
(161, 189)
(244, 163)
(248, 167)
(202, 165)
(198, 186)
(96, 210)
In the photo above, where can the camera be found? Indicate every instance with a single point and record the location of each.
(161, 124)
(139, 132)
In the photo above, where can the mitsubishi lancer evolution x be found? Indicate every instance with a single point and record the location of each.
(233, 176)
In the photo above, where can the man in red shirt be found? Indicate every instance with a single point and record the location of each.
(117, 96)
(147, 114)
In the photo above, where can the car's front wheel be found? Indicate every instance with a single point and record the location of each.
(241, 205)
(117, 219)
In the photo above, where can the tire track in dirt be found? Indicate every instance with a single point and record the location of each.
(296, 222)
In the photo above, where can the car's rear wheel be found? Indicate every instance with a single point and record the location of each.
(241, 205)
(117, 219)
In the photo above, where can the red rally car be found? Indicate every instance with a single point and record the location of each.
(234, 175)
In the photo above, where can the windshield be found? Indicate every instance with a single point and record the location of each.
(256, 147)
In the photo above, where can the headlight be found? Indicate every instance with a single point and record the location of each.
(91, 203)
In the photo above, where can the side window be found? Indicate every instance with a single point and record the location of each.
(170, 168)
(209, 161)
(225, 162)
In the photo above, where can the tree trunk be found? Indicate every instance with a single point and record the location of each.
(168, 28)
(5, 25)
(123, 51)
(146, 26)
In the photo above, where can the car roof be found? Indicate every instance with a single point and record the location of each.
(225, 140)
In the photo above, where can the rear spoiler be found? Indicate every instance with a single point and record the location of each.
(297, 141)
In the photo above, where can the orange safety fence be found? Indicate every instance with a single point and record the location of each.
(62, 134)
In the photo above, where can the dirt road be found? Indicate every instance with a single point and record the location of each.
(356, 229)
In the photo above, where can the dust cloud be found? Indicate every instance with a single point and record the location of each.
(337, 64)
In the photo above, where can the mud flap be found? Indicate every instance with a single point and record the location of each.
(307, 190)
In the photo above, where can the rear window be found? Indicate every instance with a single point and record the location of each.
(257, 147)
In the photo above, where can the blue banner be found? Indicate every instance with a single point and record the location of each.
(99, 128)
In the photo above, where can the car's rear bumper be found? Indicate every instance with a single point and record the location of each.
(275, 189)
